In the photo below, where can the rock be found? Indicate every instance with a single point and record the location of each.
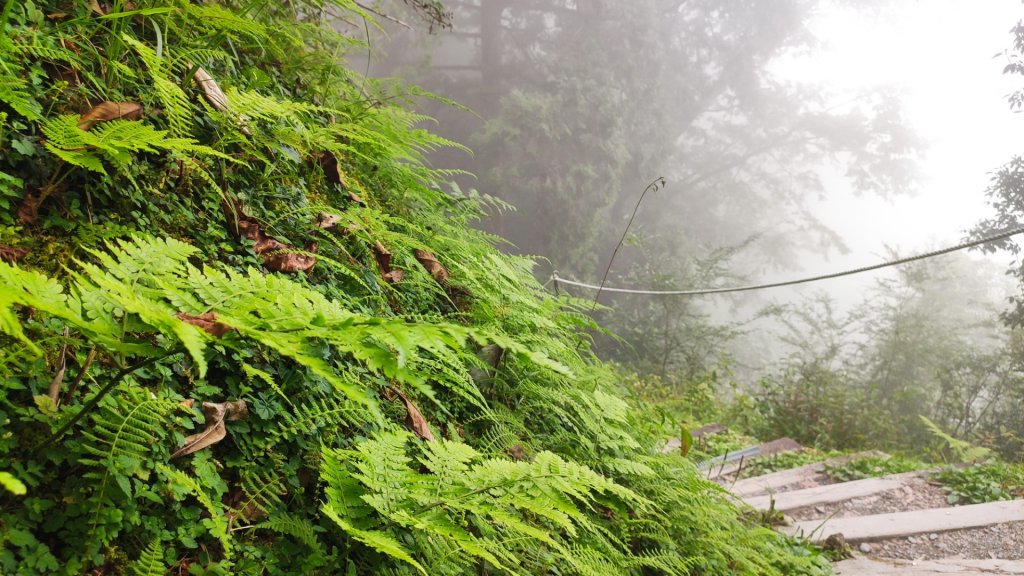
(866, 548)
(819, 509)
(911, 539)
(933, 536)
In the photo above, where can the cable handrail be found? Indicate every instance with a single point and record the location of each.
(962, 246)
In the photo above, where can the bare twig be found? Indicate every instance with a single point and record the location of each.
(70, 394)
(384, 16)
(62, 363)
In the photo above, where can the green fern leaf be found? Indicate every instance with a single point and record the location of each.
(150, 563)
(379, 541)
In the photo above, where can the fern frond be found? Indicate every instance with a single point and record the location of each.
(177, 107)
(13, 93)
(53, 53)
(263, 485)
(299, 528)
(217, 18)
(150, 563)
(124, 431)
(116, 141)
(216, 523)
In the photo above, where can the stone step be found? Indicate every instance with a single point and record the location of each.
(898, 524)
(830, 493)
(866, 567)
(775, 481)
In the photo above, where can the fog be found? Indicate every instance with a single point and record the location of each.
(796, 138)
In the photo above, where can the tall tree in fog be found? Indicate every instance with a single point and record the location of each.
(581, 103)
(584, 102)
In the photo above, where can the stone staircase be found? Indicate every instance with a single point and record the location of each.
(898, 524)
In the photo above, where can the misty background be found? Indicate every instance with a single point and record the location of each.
(795, 137)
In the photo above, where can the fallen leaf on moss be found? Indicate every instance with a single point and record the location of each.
(383, 256)
(207, 322)
(435, 268)
(110, 111)
(216, 414)
(292, 261)
(12, 254)
(28, 212)
(277, 255)
(414, 419)
(329, 164)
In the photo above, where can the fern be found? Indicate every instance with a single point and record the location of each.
(301, 529)
(117, 141)
(475, 506)
(216, 523)
(123, 432)
(150, 563)
(13, 93)
(176, 105)
(263, 486)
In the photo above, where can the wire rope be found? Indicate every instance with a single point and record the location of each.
(962, 246)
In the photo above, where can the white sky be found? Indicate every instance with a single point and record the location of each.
(940, 54)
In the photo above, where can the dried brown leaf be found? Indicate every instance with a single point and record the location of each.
(12, 254)
(215, 96)
(277, 256)
(327, 221)
(207, 322)
(216, 413)
(435, 268)
(110, 111)
(291, 261)
(415, 420)
(28, 212)
(517, 452)
(97, 8)
(383, 256)
(329, 164)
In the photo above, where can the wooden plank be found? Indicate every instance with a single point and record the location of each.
(730, 463)
(829, 493)
(866, 567)
(774, 481)
(897, 524)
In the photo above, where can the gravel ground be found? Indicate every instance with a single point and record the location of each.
(917, 494)
(1004, 541)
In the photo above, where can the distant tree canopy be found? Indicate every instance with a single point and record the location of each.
(582, 103)
(1006, 193)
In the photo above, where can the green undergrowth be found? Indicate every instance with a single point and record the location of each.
(247, 330)
(873, 467)
(985, 482)
(786, 461)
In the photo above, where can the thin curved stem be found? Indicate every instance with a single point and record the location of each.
(91, 404)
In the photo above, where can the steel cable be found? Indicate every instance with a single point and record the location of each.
(962, 246)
